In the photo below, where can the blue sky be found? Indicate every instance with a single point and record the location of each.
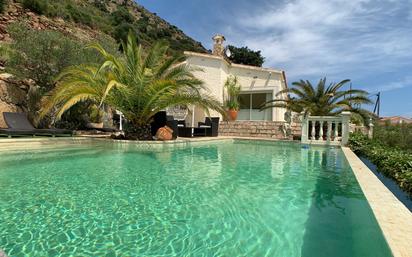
(367, 41)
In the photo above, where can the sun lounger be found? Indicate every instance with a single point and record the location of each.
(19, 125)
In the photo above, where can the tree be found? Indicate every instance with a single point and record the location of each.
(323, 100)
(137, 84)
(244, 55)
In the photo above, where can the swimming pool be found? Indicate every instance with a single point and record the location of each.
(229, 198)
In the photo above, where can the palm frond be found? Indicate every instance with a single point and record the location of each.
(136, 83)
(321, 100)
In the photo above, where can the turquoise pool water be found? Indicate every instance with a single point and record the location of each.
(217, 199)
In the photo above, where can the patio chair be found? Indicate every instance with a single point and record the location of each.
(19, 125)
(183, 129)
(181, 123)
(212, 126)
(173, 124)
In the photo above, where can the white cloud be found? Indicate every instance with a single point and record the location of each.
(403, 83)
(338, 38)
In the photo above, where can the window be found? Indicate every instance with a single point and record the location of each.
(250, 104)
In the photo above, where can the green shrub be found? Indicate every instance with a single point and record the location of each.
(75, 117)
(122, 15)
(100, 4)
(142, 25)
(120, 33)
(79, 16)
(58, 10)
(391, 161)
(37, 6)
(3, 5)
(95, 114)
(399, 135)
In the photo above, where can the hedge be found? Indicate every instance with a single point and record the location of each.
(391, 161)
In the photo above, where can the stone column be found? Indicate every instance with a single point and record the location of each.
(345, 127)
(370, 130)
(305, 128)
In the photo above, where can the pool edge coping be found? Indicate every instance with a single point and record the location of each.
(21, 143)
(394, 219)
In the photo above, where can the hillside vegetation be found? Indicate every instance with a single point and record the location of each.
(112, 17)
(39, 39)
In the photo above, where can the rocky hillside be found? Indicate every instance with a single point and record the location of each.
(70, 21)
(88, 18)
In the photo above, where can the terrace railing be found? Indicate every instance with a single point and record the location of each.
(326, 130)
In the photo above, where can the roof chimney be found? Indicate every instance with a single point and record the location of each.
(218, 47)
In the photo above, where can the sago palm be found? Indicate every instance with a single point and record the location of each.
(322, 100)
(138, 84)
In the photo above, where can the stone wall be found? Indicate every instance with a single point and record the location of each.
(265, 129)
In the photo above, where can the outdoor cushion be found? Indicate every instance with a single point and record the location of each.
(19, 124)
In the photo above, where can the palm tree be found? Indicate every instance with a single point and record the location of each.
(323, 100)
(137, 84)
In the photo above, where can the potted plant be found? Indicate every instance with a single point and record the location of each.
(95, 118)
(232, 87)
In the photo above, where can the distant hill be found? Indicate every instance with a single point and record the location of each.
(88, 18)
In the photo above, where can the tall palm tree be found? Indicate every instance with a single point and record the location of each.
(324, 100)
(137, 84)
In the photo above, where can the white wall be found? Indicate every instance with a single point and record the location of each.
(216, 71)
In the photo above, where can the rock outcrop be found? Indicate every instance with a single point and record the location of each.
(13, 95)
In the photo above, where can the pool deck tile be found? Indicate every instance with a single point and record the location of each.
(393, 217)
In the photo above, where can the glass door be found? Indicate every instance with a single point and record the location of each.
(250, 104)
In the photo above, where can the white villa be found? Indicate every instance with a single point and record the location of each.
(258, 85)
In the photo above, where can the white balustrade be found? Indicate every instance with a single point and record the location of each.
(329, 133)
(336, 133)
(321, 130)
(313, 136)
(313, 129)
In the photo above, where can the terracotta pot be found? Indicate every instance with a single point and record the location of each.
(165, 133)
(232, 113)
(94, 125)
